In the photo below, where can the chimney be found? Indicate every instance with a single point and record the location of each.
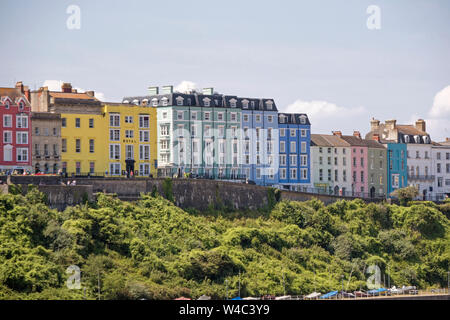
(374, 124)
(420, 125)
(19, 86)
(152, 91)
(337, 133)
(90, 93)
(447, 139)
(26, 92)
(376, 137)
(66, 87)
(357, 134)
(391, 124)
(74, 90)
(208, 91)
(167, 89)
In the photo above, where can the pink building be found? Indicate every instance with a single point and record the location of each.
(359, 164)
(15, 128)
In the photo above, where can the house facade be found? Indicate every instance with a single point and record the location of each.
(46, 142)
(294, 131)
(440, 154)
(15, 127)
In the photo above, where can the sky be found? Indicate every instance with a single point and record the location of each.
(317, 57)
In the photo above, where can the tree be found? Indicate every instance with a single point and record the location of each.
(404, 195)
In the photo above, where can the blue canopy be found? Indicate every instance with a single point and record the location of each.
(376, 290)
(237, 298)
(329, 295)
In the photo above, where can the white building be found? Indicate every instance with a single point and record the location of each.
(440, 154)
(331, 170)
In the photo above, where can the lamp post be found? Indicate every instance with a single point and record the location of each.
(226, 284)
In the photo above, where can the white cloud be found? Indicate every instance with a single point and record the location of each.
(55, 85)
(322, 108)
(186, 86)
(441, 104)
(323, 116)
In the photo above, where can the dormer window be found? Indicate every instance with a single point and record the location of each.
(144, 102)
(426, 139)
(206, 102)
(165, 101)
(126, 101)
(302, 119)
(269, 105)
(154, 102)
(7, 104)
(136, 102)
(406, 139)
(252, 104)
(417, 139)
(245, 104)
(233, 103)
(180, 100)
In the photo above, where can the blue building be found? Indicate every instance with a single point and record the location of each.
(294, 151)
(259, 140)
(397, 173)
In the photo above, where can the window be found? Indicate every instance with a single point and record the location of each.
(46, 131)
(165, 130)
(22, 121)
(233, 116)
(283, 173)
(7, 136)
(77, 123)
(207, 116)
(221, 131)
(320, 160)
(164, 144)
(193, 130)
(270, 119)
(180, 115)
(22, 154)
(320, 174)
(165, 101)
(91, 167)
(7, 153)
(55, 149)
(293, 147)
(258, 118)
(207, 131)
(303, 132)
(144, 168)
(114, 151)
(78, 167)
(114, 169)
(91, 146)
(303, 147)
(292, 131)
(258, 173)
(55, 133)
(246, 132)
(303, 174)
(114, 120)
(220, 116)
(77, 145)
(304, 160)
(282, 146)
(293, 174)
(36, 149)
(64, 145)
(91, 123)
(362, 176)
(22, 137)
(129, 152)
(144, 121)
(114, 134)
(129, 134)
(293, 160)
(63, 122)
(282, 160)
(164, 115)
(269, 133)
(245, 117)
(128, 119)
(282, 132)
(36, 131)
(46, 150)
(193, 115)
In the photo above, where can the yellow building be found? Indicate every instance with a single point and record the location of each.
(101, 138)
(83, 143)
(131, 139)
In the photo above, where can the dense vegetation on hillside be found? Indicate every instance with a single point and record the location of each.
(155, 250)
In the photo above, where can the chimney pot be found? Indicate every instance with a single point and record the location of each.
(376, 137)
(66, 87)
(420, 125)
(357, 134)
(153, 91)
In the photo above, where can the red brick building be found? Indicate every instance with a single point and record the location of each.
(15, 129)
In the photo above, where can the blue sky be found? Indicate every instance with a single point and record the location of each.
(317, 56)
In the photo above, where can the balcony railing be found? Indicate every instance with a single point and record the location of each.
(421, 177)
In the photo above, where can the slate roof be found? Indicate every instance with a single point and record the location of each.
(197, 100)
(293, 118)
(328, 140)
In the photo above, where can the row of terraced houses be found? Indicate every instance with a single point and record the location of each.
(206, 134)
